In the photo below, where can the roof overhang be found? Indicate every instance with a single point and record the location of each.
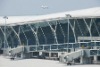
(78, 14)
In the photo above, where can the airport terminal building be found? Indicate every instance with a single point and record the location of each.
(59, 32)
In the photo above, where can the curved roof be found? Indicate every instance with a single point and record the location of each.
(13, 20)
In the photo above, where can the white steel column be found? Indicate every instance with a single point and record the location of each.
(4, 36)
(24, 35)
(17, 35)
(95, 57)
(73, 29)
(54, 31)
(35, 33)
(68, 16)
(88, 27)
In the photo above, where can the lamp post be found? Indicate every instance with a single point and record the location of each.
(5, 40)
(68, 16)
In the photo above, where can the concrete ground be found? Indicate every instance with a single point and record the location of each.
(6, 62)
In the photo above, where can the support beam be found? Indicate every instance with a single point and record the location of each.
(88, 38)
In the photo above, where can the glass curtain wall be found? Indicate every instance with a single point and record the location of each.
(48, 33)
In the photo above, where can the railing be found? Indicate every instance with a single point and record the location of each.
(64, 46)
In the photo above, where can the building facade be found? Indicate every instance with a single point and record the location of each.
(54, 34)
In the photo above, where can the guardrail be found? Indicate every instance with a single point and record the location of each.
(63, 46)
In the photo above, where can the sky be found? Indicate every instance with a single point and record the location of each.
(34, 7)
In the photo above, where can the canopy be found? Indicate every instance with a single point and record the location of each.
(18, 20)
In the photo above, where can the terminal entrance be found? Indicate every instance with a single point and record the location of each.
(35, 54)
(1, 51)
(98, 57)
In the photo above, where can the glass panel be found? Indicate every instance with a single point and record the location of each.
(32, 48)
(66, 45)
(92, 44)
(40, 48)
(83, 44)
(61, 46)
(89, 44)
(54, 54)
(54, 47)
(35, 53)
(99, 52)
(45, 54)
(46, 47)
(69, 45)
(75, 45)
(93, 52)
(48, 34)
(97, 43)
